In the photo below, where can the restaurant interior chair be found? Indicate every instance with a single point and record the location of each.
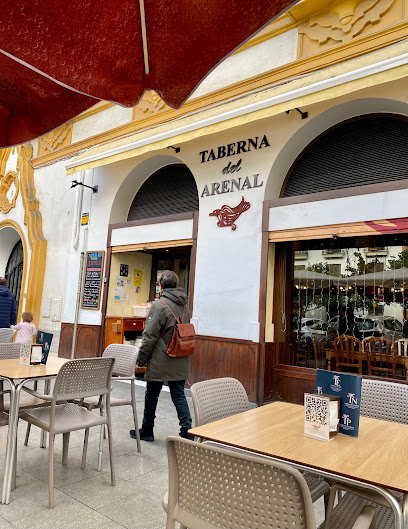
(381, 356)
(386, 401)
(6, 335)
(219, 398)
(401, 347)
(77, 379)
(124, 369)
(348, 352)
(213, 487)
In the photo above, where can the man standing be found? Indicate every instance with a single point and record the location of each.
(8, 309)
(161, 367)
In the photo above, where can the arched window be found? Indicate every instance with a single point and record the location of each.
(170, 190)
(367, 150)
(14, 270)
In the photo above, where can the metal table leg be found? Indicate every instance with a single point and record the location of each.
(405, 511)
(11, 439)
(43, 440)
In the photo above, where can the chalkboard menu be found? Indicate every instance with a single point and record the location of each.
(91, 289)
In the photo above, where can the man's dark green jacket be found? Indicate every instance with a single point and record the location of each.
(157, 335)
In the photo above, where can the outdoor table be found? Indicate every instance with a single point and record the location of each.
(17, 375)
(377, 459)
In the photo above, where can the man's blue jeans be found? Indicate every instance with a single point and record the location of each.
(179, 400)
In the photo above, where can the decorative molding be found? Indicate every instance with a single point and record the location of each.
(33, 221)
(4, 156)
(344, 21)
(9, 187)
(56, 139)
(227, 215)
(149, 105)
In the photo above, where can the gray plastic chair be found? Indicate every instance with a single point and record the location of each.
(124, 369)
(387, 401)
(215, 488)
(6, 335)
(77, 379)
(219, 398)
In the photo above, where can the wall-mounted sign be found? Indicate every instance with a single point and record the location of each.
(124, 270)
(85, 219)
(239, 147)
(228, 186)
(137, 278)
(227, 215)
(91, 289)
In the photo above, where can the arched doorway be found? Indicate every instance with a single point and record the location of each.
(333, 274)
(160, 234)
(14, 270)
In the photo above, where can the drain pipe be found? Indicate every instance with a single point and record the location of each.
(75, 244)
(79, 289)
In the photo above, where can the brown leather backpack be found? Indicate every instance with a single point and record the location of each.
(182, 341)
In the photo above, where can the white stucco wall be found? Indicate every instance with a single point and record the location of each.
(101, 122)
(252, 61)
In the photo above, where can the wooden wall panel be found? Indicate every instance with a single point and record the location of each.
(87, 342)
(226, 357)
(290, 383)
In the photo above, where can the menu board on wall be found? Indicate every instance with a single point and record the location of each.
(91, 288)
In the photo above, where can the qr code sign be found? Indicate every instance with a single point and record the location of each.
(316, 410)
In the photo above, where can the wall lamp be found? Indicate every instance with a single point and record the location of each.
(75, 183)
(177, 149)
(303, 114)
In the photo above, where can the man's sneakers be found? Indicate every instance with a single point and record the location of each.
(144, 436)
(148, 436)
(186, 435)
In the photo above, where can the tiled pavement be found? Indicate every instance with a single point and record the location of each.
(85, 499)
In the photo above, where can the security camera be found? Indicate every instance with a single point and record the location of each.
(335, 236)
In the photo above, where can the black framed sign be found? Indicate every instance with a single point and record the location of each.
(92, 283)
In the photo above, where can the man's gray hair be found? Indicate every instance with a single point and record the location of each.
(168, 279)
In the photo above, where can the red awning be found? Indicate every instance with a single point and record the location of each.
(73, 53)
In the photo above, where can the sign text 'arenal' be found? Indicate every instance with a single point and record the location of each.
(235, 184)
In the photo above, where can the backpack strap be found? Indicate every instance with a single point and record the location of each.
(178, 320)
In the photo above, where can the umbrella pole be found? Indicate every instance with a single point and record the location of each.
(144, 37)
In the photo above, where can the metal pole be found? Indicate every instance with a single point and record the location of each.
(78, 303)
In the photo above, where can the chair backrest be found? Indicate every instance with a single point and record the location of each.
(216, 488)
(125, 359)
(401, 346)
(9, 351)
(87, 377)
(6, 335)
(381, 355)
(387, 401)
(348, 351)
(218, 398)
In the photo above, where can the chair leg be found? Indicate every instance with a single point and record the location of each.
(103, 426)
(51, 471)
(27, 436)
(112, 465)
(132, 390)
(85, 449)
(65, 447)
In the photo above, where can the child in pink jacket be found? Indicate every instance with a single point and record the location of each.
(26, 330)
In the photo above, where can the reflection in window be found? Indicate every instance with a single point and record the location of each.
(350, 286)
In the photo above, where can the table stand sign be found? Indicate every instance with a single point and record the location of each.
(322, 414)
(348, 388)
(31, 354)
(44, 339)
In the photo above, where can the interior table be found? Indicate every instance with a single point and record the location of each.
(17, 375)
(330, 354)
(377, 459)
